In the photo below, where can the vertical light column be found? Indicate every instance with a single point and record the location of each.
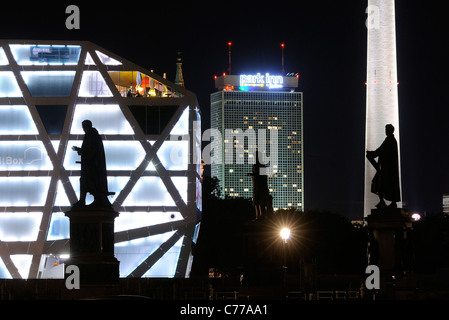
(381, 86)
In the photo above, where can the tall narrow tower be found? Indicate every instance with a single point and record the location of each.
(381, 86)
(179, 79)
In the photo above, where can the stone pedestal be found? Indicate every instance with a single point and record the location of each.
(389, 227)
(92, 245)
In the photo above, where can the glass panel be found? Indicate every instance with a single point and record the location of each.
(153, 119)
(181, 185)
(120, 155)
(52, 268)
(89, 61)
(116, 184)
(26, 54)
(174, 155)
(133, 220)
(61, 197)
(19, 226)
(23, 191)
(93, 85)
(197, 143)
(149, 191)
(55, 144)
(199, 197)
(182, 126)
(24, 155)
(107, 119)
(137, 84)
(53, 117)
(3, 59)
(4, 273)
(49, 83)
(8, 85)
(196, 232)
(59, 227)
(147, 117)
(16, 119)
(22, 263)
(165, 267)
(107, 59)
(75, 181)
(132, 253)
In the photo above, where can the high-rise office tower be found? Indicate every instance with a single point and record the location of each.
(261, 113)
(381, 85)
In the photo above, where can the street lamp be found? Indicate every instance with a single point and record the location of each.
(285, 235)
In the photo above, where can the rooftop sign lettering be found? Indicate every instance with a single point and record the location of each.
(259, 80)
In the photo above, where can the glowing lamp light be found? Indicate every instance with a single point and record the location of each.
(285, 234)
(416, 216)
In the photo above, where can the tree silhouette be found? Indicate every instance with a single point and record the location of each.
(337, 245)
(430, 241)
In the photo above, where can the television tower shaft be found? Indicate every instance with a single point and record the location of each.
(382, 105)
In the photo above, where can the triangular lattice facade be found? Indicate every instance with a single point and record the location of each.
(148, 126)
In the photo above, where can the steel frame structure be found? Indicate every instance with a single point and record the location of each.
(185, 200)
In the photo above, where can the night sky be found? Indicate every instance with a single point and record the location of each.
(325, 42)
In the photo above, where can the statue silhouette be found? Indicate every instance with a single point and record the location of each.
(262, 200)
(386, 180)
(93, 168)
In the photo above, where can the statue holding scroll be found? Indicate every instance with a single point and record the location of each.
(262, 200)
(93, 168)
(386, 182)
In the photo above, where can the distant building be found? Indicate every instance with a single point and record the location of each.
(47, 88)
(446, 203)
(263, 113)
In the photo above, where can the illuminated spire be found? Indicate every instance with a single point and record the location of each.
(382, 105)
(179, 79)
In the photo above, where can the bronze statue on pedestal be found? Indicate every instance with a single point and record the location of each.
(386, 180)
(93, 168)
(262, 200)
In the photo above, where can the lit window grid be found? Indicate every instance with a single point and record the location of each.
(56, 196)
(262, 110)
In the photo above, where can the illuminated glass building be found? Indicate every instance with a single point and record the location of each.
(259, 112)
(46, 90)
